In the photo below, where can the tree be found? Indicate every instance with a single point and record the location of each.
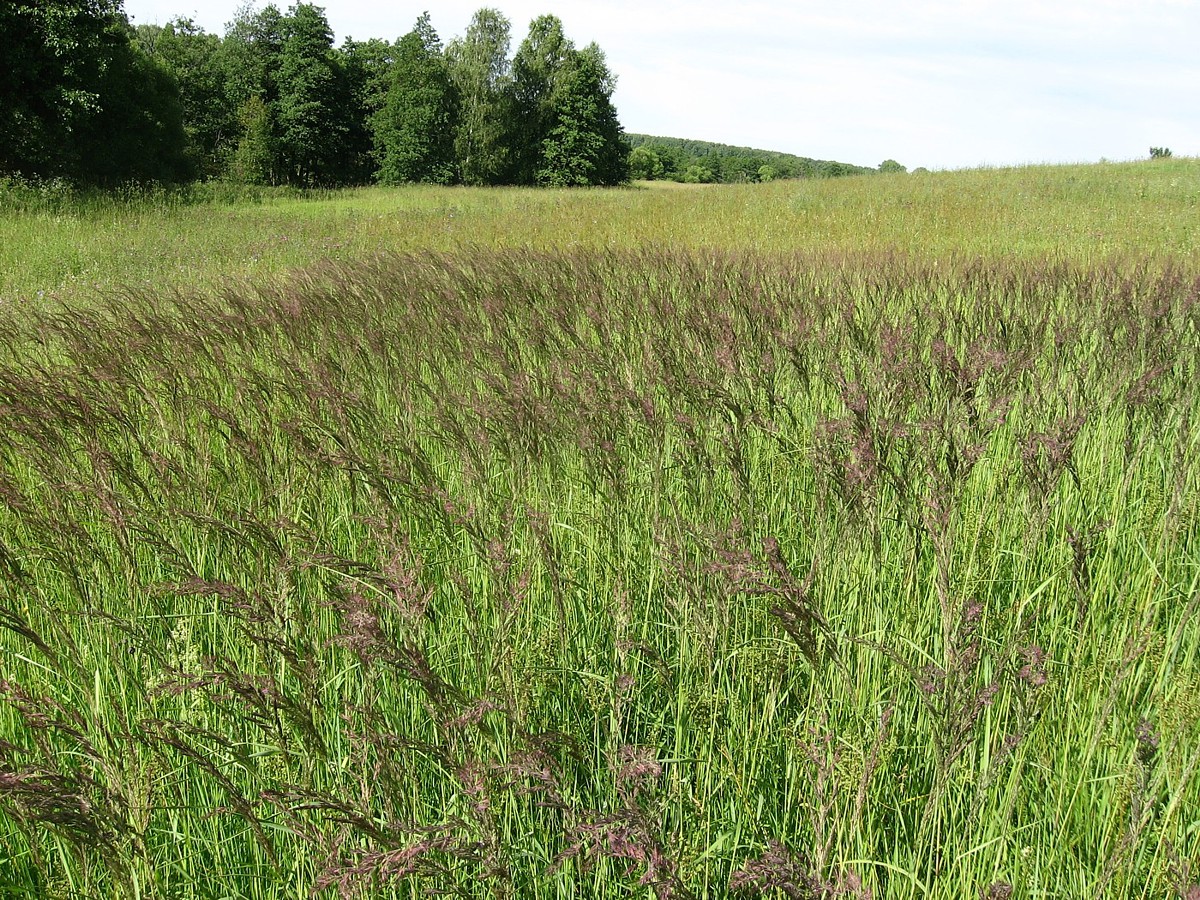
(539, 71)
(586, 146)
(479, 70)
(74, 91)
(251, 54)
(250, 58)
(674, 161)
(47, 81)
(697, 174)
(645, 164)
(311, 96)
(414, 133)
(367, 67)
(86, 96)
(612, 166)
(210, 120)
(891, 167)
(136, 132)
(294, 104)
(254, 159)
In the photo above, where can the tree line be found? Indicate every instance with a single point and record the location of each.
(677, 159)
(86, 96)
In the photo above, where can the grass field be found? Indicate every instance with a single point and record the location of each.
(1082, 213)
(814, 540)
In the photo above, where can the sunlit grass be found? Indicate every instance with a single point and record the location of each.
(1078, 213)
(822, 539)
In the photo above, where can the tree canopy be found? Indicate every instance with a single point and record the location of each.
(584, 144)
(87, 97)
(80, 100)
(414, 131)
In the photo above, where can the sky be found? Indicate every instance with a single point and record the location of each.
(943, 84)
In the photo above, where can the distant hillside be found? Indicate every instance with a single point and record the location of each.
(678, 159)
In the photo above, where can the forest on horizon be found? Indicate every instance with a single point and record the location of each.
(91, 99)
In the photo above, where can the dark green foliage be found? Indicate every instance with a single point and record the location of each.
(33, 103)
(52, 54)
(1160, 152)
(137, 132)
(210, 119)
(645, 164)
(78, 100)
(541, 68)
(367, 69)
(254, 159)
(891, 167)
(300, 114)
(586, 145)
(312, 129)
(688, 160)
(86, 97)
(414, 132)
(251, 55)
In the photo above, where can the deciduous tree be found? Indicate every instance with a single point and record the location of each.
(586, 145)
(367, 68)
(78, 100)
(250, 58)
(312, 99)
(210, 119)
(254, 158)
(645, 163)
(415, 130)
(135, 133)
(479, 70)
(539, 72)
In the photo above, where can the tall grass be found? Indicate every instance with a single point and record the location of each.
(606, 572)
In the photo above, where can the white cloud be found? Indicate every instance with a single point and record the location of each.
(940, 83)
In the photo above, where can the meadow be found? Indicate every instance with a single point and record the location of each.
(1147, 210)
(831, 539)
